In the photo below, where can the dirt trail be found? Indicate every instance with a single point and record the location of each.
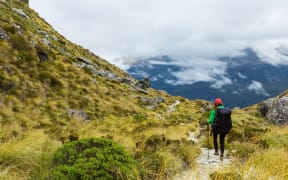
(204, 166)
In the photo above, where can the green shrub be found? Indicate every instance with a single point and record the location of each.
(92, 159)
(139, 118)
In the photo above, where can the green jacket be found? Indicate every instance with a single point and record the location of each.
(212, 115)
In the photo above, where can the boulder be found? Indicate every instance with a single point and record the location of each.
(108, 75)
(265, 106)
(144, 84)
(85, 61)
(137, 89)
(21, 13)
(278, 112)
(43, 56)
(78, 114)
(19, 29)
(151, 103)
(46, 41)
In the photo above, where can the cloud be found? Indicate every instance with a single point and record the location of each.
(141, 74)
(240, 75)
(195, 70)
(219, 83)
(204, 29)
(258, 88)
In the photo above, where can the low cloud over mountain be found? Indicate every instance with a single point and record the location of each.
(241, 80)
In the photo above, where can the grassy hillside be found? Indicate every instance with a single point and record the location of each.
(53, 91)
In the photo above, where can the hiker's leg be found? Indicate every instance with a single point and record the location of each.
(215, 134)
(222, 142)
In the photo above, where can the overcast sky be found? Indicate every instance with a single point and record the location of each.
(191, 28)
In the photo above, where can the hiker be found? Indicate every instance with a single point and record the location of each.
(220, 118)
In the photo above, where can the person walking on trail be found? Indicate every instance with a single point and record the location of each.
(220, 118)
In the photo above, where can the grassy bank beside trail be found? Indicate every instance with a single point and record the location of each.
(261, 157)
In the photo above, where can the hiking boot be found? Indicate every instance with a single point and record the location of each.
(221, 157)
(216, 153)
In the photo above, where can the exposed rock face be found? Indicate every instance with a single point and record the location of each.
(95, 70)
(265, 106)
(151, 103)
(85, 61)
(278, 112)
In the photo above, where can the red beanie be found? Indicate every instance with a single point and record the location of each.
(218, 101)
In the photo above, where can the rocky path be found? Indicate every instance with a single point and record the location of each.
(204, 166)
(172, 107)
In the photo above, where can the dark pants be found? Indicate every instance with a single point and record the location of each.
(222, 140)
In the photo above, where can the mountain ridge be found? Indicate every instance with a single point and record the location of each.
(246, 79)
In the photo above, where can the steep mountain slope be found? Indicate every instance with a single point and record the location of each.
(54, 91)
(47, 80)
(247, 80)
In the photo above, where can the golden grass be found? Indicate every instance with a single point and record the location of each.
(27, 157)
(277, 137)
(270, 164)
(160, 165)
(176, 132)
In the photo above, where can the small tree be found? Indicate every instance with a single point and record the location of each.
(93, 159)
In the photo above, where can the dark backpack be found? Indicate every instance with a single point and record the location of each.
(222, 121)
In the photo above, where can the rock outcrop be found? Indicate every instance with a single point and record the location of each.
(275, 111)
(151, 103)
(21, 13)
(265, 106)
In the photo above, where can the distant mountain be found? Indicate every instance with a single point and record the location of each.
(246, 79)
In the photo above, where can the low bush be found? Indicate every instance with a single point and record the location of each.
(92, 159)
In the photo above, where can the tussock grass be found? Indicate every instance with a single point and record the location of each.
(270, 164)
(243, 150)
(159, 165)
(251, 161)
(277, 137)
(28, 156)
